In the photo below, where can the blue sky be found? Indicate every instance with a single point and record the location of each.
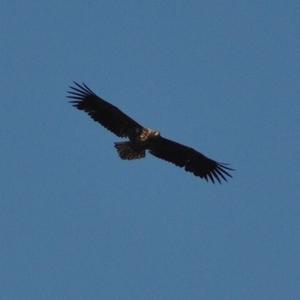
(78, 223)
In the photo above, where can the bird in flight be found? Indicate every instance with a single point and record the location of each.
(141, 139)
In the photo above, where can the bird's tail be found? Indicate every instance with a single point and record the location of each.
(128, 150)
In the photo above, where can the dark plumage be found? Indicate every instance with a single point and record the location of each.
(142, 139)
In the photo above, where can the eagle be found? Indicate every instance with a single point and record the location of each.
(141, 140)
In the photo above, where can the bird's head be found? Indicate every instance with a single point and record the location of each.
(154, 133)
(148, 133)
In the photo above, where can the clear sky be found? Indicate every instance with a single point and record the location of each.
(76, 222)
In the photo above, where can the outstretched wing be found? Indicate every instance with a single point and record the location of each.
(102, 112)
(192, 160)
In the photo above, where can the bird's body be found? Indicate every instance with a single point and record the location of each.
(141, 139)
(137, 145)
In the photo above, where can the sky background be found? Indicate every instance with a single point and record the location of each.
(76, 222)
